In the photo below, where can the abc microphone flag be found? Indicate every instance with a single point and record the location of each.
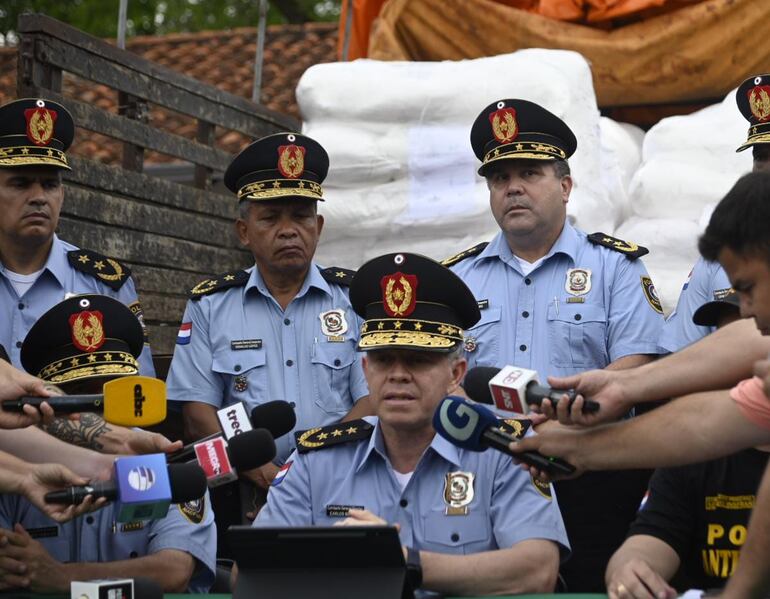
(127, 401)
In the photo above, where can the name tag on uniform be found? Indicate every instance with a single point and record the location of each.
(483, 304)
(341, 511)
(246, 344)
(45, 532)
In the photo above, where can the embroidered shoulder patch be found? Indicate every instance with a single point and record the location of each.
(194, 510)
(221, 282)
(334, 434)
(516, 427)
(474, 251)
(107, 270)
(628, 249)
(543, 488)
(651, 294)
(337, 275)
(136, 310)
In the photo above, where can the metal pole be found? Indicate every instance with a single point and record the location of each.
(348, 27)
(122, 15)
(256, 92)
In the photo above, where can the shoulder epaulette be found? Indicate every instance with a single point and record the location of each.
(334, 434)
(236, 278)
(516, 427)
(476, 249)
(108, 270)
(340, 276)
(629, 250)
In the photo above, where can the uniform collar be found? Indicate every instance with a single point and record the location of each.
(566, 243)
(313, 279)
(376, 444)
(56, 263)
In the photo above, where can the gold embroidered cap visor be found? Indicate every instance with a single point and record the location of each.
(410, 301)
(517, 129)
(283, 165)
(35, 132)
(83, 337)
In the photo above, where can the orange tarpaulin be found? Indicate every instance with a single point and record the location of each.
(699, 51)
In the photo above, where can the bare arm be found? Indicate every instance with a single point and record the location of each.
(690, 429)
(528, 567)
(642, 563)
(633, 361)
(751, 579)
(200, 420)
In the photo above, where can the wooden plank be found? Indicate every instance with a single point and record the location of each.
(162, 92)
(149, 248)
(94, 206)
(137, 133)
(41, 24)
(115, 180)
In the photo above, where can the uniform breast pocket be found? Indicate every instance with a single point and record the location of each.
(577, 336)
(483, 340)
(244, 374)
(457, 534)
(331, 375)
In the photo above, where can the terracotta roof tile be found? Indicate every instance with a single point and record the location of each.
(224, 59)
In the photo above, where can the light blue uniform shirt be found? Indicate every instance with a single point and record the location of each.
(705, 280)
(506, 507)
(283, 355)
(534, 321)
(97, 537)
(17, 315)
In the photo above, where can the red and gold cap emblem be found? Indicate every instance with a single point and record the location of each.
(504, 125)
(87, 330)
(759, 102)
(291, 161)
(399, 294)
(40, 125)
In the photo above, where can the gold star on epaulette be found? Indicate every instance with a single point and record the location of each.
(323, 436)
(98, 265)
(352, 430)
(336, 433)
(83, 259)
(339, 274)
(229, 278)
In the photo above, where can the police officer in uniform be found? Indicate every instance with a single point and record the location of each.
(707, 280)
(87, 340)
(450, 503)
(557, 301)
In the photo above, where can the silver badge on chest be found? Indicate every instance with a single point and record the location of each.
(333, 324)
(578, 281)
(458, 492)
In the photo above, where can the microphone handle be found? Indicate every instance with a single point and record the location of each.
(61, 404)
(498, 439)
(187, 453)
(76, 495)
(535, 394)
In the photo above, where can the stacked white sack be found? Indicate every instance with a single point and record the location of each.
(688, 164)
(403, 174)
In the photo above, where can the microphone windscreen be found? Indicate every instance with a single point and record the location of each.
(476, 383)
(463, 423)
(252, 449)
(188, 482)
(277, 416)
(147, 588)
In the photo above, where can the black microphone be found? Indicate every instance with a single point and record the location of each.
(474, 427)
(252, 449)
(476, 385)
(187, 482)
(277, 417)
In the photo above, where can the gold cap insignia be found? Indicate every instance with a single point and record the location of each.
(759, 102)
(291, 161)
(399, 294)
(504, 125)
(87, 330)
(40, 125)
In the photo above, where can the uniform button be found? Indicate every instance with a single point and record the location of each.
(89, 519)
(237, 368)
(18, 344)
(292, 404)
(289, 362)
(525, 314)
(286, 321)
(528, 281)
(337, 362)
(578, 317)
(21, 306)
(133, 554)
(523, 347)
(455, 537)
(403, 503)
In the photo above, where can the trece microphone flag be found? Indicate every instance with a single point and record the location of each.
(127, 401)
(472, 426)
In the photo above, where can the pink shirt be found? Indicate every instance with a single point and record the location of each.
(752, 401)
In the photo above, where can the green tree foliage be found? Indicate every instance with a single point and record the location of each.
(154, 17)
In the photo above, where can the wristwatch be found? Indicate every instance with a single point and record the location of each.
(413, 568)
